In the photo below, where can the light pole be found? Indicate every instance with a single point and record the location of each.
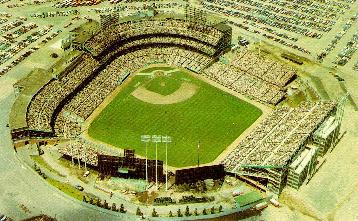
(146, 139)
(156, 139)
(166, 140)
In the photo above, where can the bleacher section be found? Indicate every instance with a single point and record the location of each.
(254, 75)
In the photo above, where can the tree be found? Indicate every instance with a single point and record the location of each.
(138, 213)
(121, 209)
(179, 213)
(220, 208)
(204, 212)
(84, 199)
(114, 207)
(187, 212)
(170, 214)
(36, 167)
(154, 213)
(212, 210)
(196, 212)
(105, 204)
(98, 203)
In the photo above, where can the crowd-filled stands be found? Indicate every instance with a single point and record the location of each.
(119, 32)
(255, 76)
(160, 42)
(48, 98)
(263, 67)
(126, 6)
(279, 136)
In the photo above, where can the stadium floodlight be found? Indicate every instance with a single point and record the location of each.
(166, 140)
(156, 139)
(146, 139)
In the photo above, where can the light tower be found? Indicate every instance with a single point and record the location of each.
(166, 140)
(156, 139)
(146, 140)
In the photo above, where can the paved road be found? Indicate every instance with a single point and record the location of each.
(21, 186)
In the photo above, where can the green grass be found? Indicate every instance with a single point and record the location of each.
(66, 188)
(41, 162)
(163, 85)
(247, 198)
(211, 116)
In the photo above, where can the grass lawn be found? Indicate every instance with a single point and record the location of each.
(66, 188)
(41, 162)
(211, 116)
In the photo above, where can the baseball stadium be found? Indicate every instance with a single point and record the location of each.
(152, 114)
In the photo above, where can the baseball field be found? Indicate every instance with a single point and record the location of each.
(173, 102)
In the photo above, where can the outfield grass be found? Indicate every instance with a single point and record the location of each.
(211, 116)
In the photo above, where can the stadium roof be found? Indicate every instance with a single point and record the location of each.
(28, 87)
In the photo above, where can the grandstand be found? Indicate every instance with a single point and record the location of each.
(277, 141)
(253, 75)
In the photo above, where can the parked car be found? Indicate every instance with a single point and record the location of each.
(79, 187)
(237, 192)
(4, 218)
(275, 202)
(86, 173)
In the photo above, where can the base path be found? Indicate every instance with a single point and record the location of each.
(186, 91)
